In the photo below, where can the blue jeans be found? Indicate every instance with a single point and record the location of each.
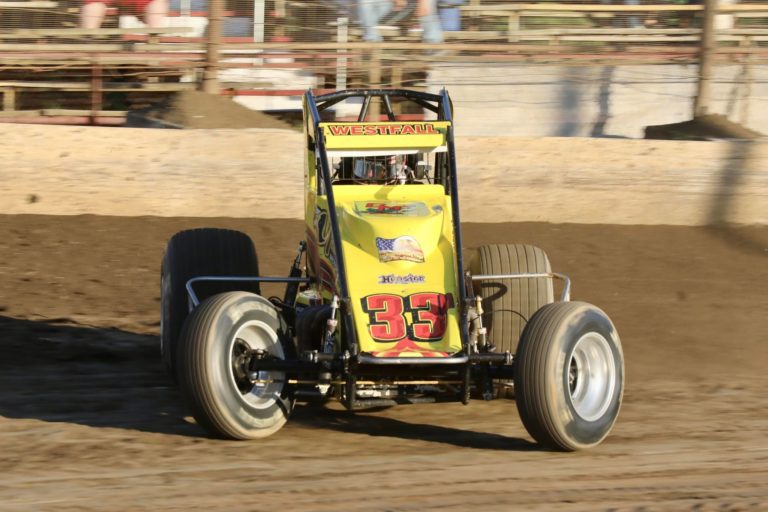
(433, 32)
(631, 21)
(370, 12)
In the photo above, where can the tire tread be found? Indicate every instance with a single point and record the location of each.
(506, 315)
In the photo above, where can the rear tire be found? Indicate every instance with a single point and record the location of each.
(508, 304)
(213, 375)
(194, 253)
(569, 376)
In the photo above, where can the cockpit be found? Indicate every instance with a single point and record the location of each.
(383, 169)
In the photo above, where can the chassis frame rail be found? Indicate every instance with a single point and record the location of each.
(564, 297)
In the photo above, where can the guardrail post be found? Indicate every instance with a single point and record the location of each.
(342, 36)
(96, 91)
(701, 104)
(374, 79)
(9, 98)
(211, 73)
(748, 80)
(513, 27)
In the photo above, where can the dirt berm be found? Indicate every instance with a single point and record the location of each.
(258, 173)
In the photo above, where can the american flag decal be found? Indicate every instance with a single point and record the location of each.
(402, 248)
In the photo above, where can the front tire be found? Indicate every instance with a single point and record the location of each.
(213, 366)
(569, 376)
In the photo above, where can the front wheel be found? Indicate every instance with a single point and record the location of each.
(216, 345)
(569, 376)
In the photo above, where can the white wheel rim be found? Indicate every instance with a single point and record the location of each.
(591, 376)
(257, 335)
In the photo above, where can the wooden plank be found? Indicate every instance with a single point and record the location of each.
(57, 112)
(19, 113)
(474, 35)
(743, 31)
(641, 39)
(170, 54)
(107, 86)
(20, 61)
(504, 9)
(29, 4)
(619, 39)
(198, 14)
(82, 47)
(562, 14)
(75, 32)
(9, 98)
(597, 31)
(19, 84)
(75, 112)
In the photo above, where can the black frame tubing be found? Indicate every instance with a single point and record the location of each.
(341, 275)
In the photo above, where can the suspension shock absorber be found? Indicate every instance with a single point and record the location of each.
(330, 326)
(292, 289)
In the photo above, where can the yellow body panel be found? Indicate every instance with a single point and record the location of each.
(399, 254)
(385, 135)
(397, 240)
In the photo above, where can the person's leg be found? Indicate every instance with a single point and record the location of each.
(92, 14)
(369, 12)
(633, 21)
(430, 22)
(433, 32)
(155, 13)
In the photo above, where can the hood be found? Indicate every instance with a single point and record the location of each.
(399, 256)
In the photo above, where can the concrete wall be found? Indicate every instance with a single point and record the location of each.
(254, 173)
(593, 101)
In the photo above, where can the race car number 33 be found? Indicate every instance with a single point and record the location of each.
(419, 316)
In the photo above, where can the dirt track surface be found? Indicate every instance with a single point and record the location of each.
(89, 421)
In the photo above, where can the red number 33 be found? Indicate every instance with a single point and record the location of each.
(388, 321)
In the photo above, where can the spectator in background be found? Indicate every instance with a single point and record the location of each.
(623, 19)
(429, 19)
(372, 12)
(153, 11)
(450, 14)
(633, 21)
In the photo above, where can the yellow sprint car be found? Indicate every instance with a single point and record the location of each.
(380, 307)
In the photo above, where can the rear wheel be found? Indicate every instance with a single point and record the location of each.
(215, 349)
(569, 376)
(508, 304)
(194, 253)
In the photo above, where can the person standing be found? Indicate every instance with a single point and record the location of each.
(426, 10)
(371, 12)
(153, 11)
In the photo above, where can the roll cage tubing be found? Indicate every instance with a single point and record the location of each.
(437, 103)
